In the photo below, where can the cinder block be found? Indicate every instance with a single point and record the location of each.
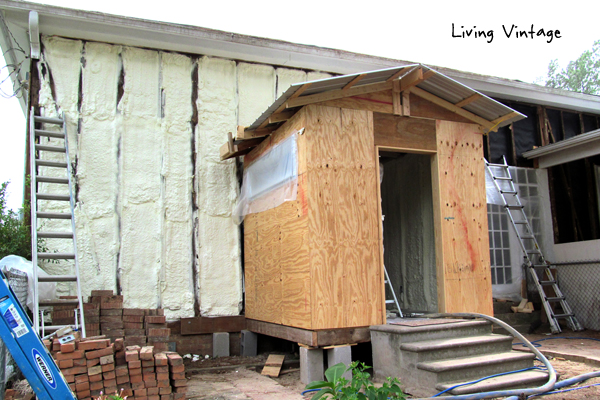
(311, 365)
(220, 344)
(340, 355)
(248, 344)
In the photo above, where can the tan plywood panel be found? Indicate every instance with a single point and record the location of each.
(410, 134)
(461, 215)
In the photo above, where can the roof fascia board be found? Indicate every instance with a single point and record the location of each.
(575, 148)
(102, 27)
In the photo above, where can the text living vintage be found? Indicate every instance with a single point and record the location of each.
(512, 31)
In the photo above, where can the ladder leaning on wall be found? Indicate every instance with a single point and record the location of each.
(533, 258)
(36, 133)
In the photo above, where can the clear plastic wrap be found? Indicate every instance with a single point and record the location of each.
(270, 180)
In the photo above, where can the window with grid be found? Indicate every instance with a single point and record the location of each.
(498, 226)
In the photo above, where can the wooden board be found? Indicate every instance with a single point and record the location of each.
(460, 210)
(273, 365)
(422, 108)
(409, 134)
(200, 325)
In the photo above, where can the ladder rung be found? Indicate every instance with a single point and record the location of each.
(46, 163)
(555, 298)
(508, 191)
(541, 266)
(58, 302)
(521, 222)
(389, 302)
(49, 179)
(547, 283)
(47, 120)
(533, 251)
(55, 235)
(55, 327)
(56, 256)
(58, 197)
(557, 316)
(515, 207)
(527, 237)
(503, 178)
(55, 149)
(53, 215)
(40, 132)
(58, 278)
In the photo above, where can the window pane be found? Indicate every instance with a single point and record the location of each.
(493, 276)
(497, 240)
(499, 276)
(508, 275)
(496, 225)
(499, 257)
(504, 219)
(507, 258)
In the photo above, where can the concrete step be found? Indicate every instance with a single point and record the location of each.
(439, 349)
(408, 334)
(517, 380)
(469, 368)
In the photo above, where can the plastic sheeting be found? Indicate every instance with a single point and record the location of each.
(270, 180)
(47, 290)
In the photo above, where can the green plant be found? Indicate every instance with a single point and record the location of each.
(359, 388)
(15, 236)
(116, 396)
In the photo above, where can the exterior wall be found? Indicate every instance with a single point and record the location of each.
(153, 199)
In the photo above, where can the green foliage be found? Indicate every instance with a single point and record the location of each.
(581, 75)
(359, 388)
(15, 236)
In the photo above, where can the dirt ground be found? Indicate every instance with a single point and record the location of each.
(239, 378)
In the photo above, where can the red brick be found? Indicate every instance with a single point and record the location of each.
(178, 396)
(157, 311)
(105, 320)
(132, 355)
(110, 383)
(166, 397)
(108, 367)
(133, 318)
(164, 383)
(75, 371)
(99, 353)
(178, 368)
(92, 362)
(126, 392)
(175, 359)
(150, 383)
(136, 381)
(72, 386)
(94, 344)
(121, 370)
(118, 312)
(149, 377)
(147, 370)
(102, 293)
(152, 391)
(178, 375)
(154, 397)
(95, 370)
(135, 364)
(110, 389)
(69, 356)
(81, 378)
(156, 319)
(135, 371)
(119, 345)
(140, 392)
(159, 346)
(67, 347)
(108, 375)
(120, 357)
(109, 359)
(80, 362)
(147, 353)
(63, 364)
(147, 363)
(162, 369)
(133, 332)
(163, 376)
(95, 378)
(96, 385)
(134, 311)
(179, 383)
(83, 394)
(161, 359)
(158, 332)
(122, 379)
(180, 389)
(165, 390)
(83, 386)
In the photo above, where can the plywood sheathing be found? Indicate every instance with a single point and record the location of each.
(460, 212)
(313, 263)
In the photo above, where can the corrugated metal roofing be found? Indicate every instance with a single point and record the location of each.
(438, 84)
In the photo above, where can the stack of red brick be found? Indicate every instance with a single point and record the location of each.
(94, 366)
(105, 315)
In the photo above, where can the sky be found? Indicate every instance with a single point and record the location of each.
(434, 33)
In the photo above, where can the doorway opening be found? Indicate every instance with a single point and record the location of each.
(408, 230)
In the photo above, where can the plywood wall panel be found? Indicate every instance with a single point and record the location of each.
(405, 133)
(463, 263)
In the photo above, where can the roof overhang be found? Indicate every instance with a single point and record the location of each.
(102, 27)
(417, 79)
(575, 148)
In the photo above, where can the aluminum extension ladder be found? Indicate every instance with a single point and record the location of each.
(534, 260)
(37, 131)
(394, 299)
(27, 349)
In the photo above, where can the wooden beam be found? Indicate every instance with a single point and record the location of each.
(468, 100)
(354, 81)
(397, 74)
(411, 79)
(233, 149)
(406, 104)
(503, 118)
(451, 107)
(281, 116)
(256, 133)
(296, 94)
(397, 98)
(338, 94)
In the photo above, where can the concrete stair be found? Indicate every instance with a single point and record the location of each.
(432, 358)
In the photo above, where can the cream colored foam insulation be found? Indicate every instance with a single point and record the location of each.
(287, 77)
(218, 238)
(151, 217)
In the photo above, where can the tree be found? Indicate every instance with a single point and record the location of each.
(15, 236)
(581, 75)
